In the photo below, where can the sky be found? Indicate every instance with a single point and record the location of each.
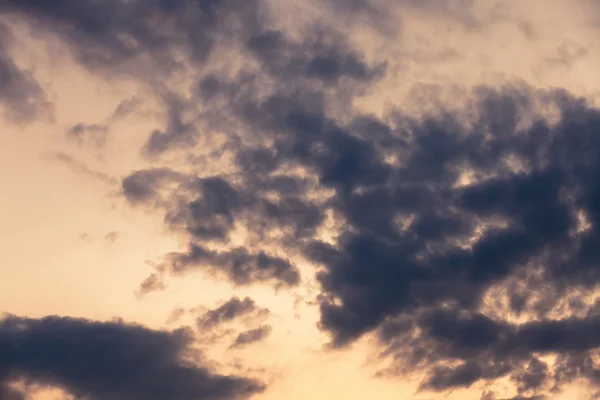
(317, 199)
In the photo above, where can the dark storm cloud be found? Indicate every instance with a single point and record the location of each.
(95, 360)
(228, 311)
(21, 96)
(251, 336)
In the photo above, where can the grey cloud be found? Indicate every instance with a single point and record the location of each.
(77, 167)
(134, 39)
(492, 396)
(175, 315)
(321, 56)
(97, 134)
(97, 360)
(211, 215)
(109, 34)
(533, 377)
(112, 236)
(419, 268)
(568, 54)
(354, 5)
(178, 133)
(464, 13)
(94, 134)
(207, 209)
(8, 393)
(153, 283)
(125, 108)
(142, 186)
(239, 265)
(419, 248)
(252, 336)
(228, 311)
(380, 270)
(21, 96)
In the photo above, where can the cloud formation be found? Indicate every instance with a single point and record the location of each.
(251, 336)
(112, 360)
(21, 97)
(232, 309)
(465, 239)
(114, 35)
(8, 393)
(94, 134)
(469, 205)
(515, 224)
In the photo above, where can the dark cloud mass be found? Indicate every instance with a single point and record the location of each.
(420, 250)
(94, 360)
(449, 227)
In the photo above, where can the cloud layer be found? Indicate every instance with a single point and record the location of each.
(465, 239)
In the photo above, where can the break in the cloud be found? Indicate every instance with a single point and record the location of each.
(466, 239)
(108, 360)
